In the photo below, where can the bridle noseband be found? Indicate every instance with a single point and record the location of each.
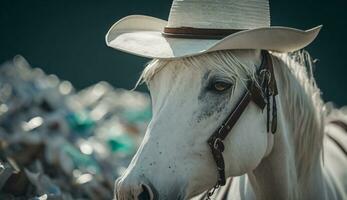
(259, 92)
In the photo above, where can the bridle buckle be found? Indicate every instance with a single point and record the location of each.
(265, 75)
(218, 144)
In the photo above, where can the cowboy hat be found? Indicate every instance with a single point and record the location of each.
(200, 26)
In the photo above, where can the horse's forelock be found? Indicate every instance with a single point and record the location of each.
(223, 61)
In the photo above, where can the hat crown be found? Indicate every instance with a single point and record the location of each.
(220, 14)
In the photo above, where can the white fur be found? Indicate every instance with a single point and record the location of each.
(174, 156)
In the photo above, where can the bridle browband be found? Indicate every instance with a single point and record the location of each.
(259, 92)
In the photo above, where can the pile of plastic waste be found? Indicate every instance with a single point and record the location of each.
(56, 143)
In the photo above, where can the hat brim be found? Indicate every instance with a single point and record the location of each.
(142, 35)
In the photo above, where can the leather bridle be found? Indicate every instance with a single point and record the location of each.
(262, 92)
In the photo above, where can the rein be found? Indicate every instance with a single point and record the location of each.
(260, 95)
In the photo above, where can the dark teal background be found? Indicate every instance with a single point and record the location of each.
(66, 37)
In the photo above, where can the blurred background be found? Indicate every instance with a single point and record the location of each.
(67, 38)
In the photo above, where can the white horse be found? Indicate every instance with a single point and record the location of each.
(191, 98)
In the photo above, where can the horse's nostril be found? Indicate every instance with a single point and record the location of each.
(146, 193)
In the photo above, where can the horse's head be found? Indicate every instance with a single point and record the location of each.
(191, 98)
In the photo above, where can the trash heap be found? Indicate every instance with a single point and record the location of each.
(59, 144)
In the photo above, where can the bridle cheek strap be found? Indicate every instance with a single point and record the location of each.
(260, 95)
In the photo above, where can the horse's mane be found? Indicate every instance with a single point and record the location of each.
(304, 106)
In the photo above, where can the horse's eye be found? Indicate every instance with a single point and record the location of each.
(220, 86)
